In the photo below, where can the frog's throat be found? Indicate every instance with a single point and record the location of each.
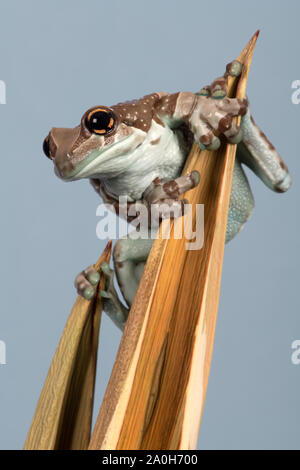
(103, 161)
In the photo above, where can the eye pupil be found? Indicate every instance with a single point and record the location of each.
(100, 121)
(46, 147)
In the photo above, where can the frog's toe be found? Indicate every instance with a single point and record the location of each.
(207, 139)
(89, 293)
(237, 138)
(92, 275)
(284, 184)
(205, 91)
(234, 68)
(105, 268)
(214, 145)
(218, 94)
(86, 281)
(219, 88)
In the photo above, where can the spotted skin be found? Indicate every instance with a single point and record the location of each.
(137, 150)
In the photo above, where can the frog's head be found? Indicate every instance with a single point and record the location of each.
(101, 146)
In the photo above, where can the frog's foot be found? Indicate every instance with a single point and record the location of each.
(216, 112)
(111, 303)
(162, 196)
(86, 281)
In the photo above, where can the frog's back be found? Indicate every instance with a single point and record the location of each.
(159, 107)
(138, 113)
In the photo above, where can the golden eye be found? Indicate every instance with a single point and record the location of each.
(100, 121)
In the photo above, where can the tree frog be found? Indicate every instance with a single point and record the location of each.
(137, 149)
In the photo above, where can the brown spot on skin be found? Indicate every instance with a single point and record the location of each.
(218, 84)
(206, 139)
(283, 165)
(227, 70)
(171, 189)
(278, 190)
(155, 142)
(225, 123)
(243, 106)
(156, 181)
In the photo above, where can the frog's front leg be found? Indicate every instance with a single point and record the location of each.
(206, 113)
(254, 149)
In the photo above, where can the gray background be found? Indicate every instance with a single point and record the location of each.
(60, 57)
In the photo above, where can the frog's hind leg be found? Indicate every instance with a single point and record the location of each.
(241, 202)
(257, 152)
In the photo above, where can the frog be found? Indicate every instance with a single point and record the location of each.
(137, 150)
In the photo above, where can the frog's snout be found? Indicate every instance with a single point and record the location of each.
(59, 147)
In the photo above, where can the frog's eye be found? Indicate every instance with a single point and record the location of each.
(46, 147)
(100, 121)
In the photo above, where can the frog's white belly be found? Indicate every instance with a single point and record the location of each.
(162, 154)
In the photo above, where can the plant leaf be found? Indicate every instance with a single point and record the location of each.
(63, 415)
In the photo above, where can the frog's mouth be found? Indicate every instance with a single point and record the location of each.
(103, 162)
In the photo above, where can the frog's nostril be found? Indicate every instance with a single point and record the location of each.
(46, 147)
